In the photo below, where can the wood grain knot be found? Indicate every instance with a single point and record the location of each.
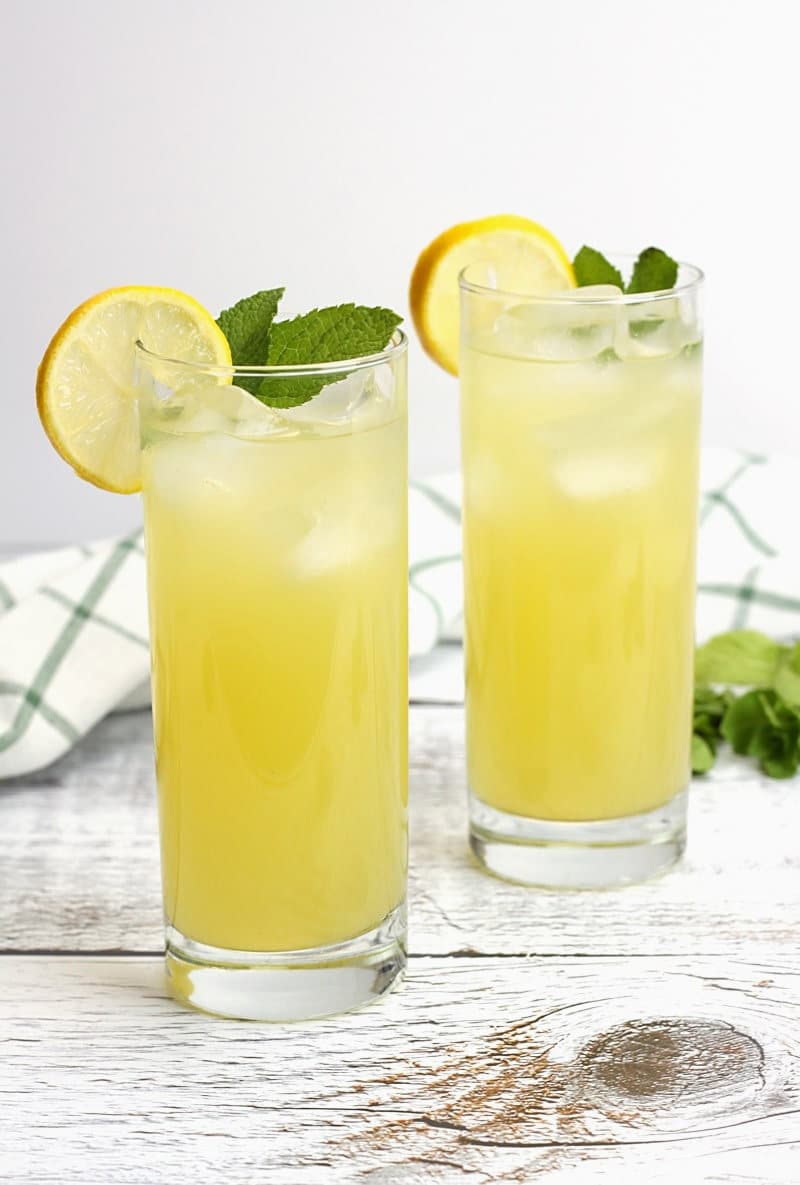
(669, 1059)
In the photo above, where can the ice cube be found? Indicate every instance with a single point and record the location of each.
(249, 417)
(383, 380)
(335, 404)
(192, 473)
(576, 326)
(341, 535)
(651, 329)
(362, 399)
(204, 405)
(606, 473)
(326, 546)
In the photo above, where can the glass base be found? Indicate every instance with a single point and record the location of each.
(288, 985)
(596, 855)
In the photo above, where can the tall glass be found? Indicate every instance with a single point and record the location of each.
(277, 571)
(580, 435)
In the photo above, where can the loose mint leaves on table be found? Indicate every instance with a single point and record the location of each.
(324, 335)
(762, 722)
(654, 271)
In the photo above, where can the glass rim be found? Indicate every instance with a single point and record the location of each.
(395, 349)
(693, 282)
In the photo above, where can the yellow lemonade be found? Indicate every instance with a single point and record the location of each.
(277, 584)
(580, 503)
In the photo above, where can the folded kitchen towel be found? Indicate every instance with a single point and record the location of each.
(73, 622)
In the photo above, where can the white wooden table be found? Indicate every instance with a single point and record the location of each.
(651, 1034)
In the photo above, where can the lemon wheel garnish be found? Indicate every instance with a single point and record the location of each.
(85, 390)
(518, 248)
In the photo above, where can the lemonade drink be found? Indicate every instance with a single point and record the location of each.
(580, 456)
(276, 554)
(271, 453)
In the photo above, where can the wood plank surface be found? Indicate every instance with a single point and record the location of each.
(497, 1068)
(80, 862)
(645, 1035)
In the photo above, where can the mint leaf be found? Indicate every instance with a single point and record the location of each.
(777, 742)
(761, 725)
(324, 335)
(247, 324)
(743, 723)
(653, 271)
(703, 755)
(743, 657)
(780, 766)
(787, 677)
(592, 267)
(764, 722)
(709, 711)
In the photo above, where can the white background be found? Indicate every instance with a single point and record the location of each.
(221, 147)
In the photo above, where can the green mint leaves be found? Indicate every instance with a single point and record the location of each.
(760, 724)
(709, 711)
(591, 267)
(764, 722)
(247, 324)
(323, 335)
(742, 658)
(654, 271)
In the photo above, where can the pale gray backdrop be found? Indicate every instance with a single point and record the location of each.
(223, 147)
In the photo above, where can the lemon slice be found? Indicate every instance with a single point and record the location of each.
(85, 390)
(526, 258)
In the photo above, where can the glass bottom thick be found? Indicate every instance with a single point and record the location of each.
(596, 855)
(288, 985)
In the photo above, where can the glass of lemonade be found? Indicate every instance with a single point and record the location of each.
(277, 569)
(580, 437)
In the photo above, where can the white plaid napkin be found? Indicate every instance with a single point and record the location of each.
(73, 622)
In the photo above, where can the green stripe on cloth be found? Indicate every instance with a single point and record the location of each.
(59, 722)
(97, 618)
(444, 504)
(434, 604)
(719, 498)
(6, 599)
(756, 596)
(746, 593)
(53, 659)
(421, 566)
(749, 459)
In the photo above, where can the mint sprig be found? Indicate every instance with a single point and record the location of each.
(591, 267)
(709, 711)
(740, 658)
(324, 335)
(247, 327)
(247, 324)
(764, 721)
(654, 271)
(762, 725)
